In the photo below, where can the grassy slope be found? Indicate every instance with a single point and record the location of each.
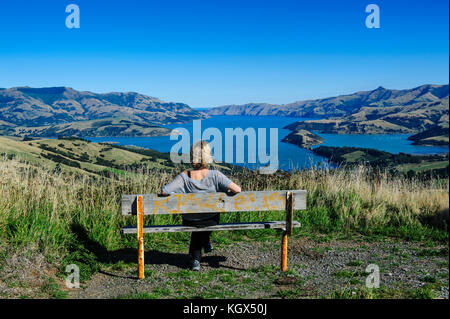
(424, 166)
(70, 219)
(31, 152)
(93, 128)
(435, 140)
(352, 156)
(437, 135)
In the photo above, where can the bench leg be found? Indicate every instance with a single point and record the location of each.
(288, 231)
(141, 258)
(140, 236)
(284, 252)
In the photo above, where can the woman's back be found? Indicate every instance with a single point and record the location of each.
(197, 174)
(208, 181)
(200, 180)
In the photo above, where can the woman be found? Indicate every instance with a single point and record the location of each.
(200, 180)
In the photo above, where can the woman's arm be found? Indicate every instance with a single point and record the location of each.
(224, 184)
(234, 188)
(176, 186)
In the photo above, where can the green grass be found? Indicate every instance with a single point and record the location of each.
(293, 293)
(51, 289)
(422, 293)
(424, 166)
(442, 252)
(355, 263)
(429, 279)
(426, 292)
(73, 217)
(157, 293)
(349, 274)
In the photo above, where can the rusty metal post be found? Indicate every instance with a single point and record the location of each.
(284, 252)
(140, 236)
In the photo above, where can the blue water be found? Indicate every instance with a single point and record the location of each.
(289, 156)
(392, 143)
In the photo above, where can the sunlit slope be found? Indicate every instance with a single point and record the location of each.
(75, 155)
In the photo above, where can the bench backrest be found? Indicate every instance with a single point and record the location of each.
(213, 202)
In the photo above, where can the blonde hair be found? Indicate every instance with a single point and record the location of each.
(201, 155)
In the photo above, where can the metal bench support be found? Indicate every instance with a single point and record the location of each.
(140, 236)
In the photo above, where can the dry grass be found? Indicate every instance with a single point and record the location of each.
(40, 206)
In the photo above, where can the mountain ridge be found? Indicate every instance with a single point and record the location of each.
(27, 106)
(379, 111)
(338, 106)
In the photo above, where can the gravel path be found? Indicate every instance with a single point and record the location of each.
(251, 270)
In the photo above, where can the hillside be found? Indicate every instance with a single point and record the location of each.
(412, 165)
(80, 156)
(436, 135)
(50, 219)
(343, 105)
(95, 128)
(380, 111)
(42, 107)
(406, 119)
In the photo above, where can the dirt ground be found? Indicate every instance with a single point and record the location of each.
(252, 270)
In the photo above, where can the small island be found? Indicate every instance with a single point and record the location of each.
(303, 138)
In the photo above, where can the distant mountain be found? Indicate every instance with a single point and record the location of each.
(417, 111)
(380, 111)
(344, 105)
(412, 117)
(25, 106)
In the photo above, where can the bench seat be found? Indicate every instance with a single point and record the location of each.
(230, 226)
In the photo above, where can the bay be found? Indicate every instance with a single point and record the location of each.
(290, 157)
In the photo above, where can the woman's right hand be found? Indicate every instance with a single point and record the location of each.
(234, 188)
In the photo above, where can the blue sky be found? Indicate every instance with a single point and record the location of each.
(217, 52)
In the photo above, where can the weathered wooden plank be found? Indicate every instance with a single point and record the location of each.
(232, 226)
(290, 203)
(213, 202)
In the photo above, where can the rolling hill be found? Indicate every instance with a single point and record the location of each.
(380, 111)
(94, 128)
(343, 105)
(79, 156)
(40, 108)
(437, 135)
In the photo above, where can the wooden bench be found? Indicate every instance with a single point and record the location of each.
(151, 204)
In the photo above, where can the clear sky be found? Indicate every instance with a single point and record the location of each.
(218, 52)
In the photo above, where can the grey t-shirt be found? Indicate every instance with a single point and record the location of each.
(213, 182)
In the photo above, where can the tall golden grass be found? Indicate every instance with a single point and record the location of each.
(40, 206)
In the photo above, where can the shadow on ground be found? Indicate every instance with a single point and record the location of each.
(129, 255)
